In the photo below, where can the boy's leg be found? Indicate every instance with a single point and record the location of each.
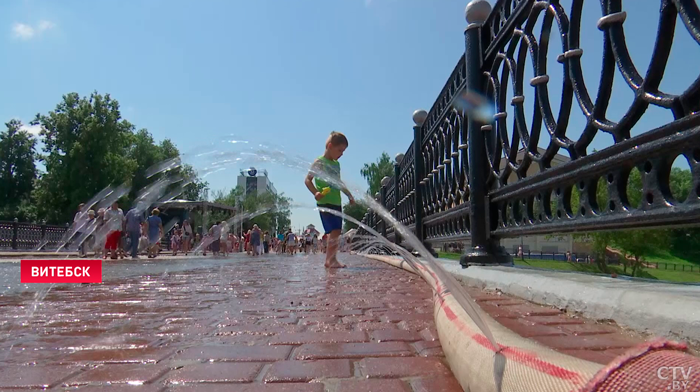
(333, 242)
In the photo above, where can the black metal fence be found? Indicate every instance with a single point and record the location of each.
(29, 236)
(468, 177)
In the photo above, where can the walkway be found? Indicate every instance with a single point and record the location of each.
(283, 324)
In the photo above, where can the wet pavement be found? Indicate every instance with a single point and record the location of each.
(239, 324)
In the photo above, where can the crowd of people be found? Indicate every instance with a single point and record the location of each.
(112, 233)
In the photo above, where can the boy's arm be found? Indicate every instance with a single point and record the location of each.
(310, 182)
(348, 194)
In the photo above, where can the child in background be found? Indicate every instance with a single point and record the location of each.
(176, 241)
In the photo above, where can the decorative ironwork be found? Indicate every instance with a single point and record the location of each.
(454, 148)
(29, 236)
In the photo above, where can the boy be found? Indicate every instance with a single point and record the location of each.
(327, 166)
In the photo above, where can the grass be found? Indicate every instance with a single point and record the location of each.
(647, 273)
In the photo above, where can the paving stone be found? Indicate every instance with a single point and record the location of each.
(525, 309)
(215, 372)
(353, 350)
(239, 353)
(395, 336)
(146, 355)
(374, 326)
(528, 329)
(426, 345)
(397, 317)
(115, 388)
(373, 386)
(305, 371)
(119, 374)
(429, 334)
(359, 319)
(555, 320)
(415, 325)
(25, 377)
(403, 367)
(589, 329)
(286, 387)
(312, 337)
(435, 384)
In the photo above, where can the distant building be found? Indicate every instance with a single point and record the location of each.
(311, 229)
(255, 182)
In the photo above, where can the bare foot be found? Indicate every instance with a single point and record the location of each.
(334, 264)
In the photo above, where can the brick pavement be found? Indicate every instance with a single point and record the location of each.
(284, 324)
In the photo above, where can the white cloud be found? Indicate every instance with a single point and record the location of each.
(46, 25)
(26, 32)
(32, 129)
(22, 31)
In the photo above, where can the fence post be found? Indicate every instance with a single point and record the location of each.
(419, 117)
(483, 250)
(15, 229)
(383, 201)
(397, 174)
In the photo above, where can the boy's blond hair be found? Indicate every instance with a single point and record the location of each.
(337, 138)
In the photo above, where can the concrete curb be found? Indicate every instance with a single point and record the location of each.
(664, 309)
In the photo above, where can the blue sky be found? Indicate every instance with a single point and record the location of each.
(281, 72)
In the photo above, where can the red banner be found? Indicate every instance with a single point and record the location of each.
(61, 271)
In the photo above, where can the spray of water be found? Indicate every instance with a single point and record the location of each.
(452, 286)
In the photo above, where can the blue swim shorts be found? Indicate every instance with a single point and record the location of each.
(330, 221)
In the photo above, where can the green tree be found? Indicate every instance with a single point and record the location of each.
(17, 172)
(197, 189)
(356, 211)
(638, 244)
(87, 147)
(375, 171)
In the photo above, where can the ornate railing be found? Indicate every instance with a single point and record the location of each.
(29, 236)
(474, 174)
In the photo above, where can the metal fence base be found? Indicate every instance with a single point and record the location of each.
(486, 257)
(430, 249)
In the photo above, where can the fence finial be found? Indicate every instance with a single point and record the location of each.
(398, 158)
(385, 181)
(477, 11)
(419, 117)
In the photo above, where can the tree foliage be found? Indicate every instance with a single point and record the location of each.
(375, 171)
(357, 211)
(17, 172)
(87, 146)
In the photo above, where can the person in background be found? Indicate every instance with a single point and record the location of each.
(255, 240)
(176, 241)
(89, 243)
(186, 236)
(224, 237)
(155, 233)
(314, 243)
(134, 222)
(215, 233)
(280, 243)
(114, 219)
(247, 242)
(266, 242)
(290, 240)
